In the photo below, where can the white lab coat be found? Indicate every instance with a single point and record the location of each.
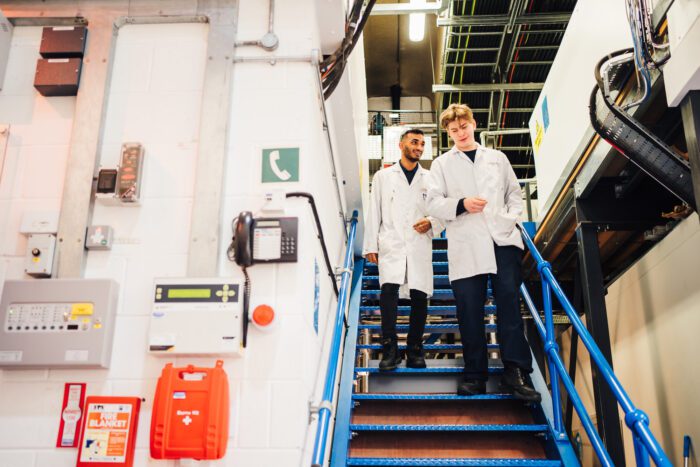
(471, 237)
(405, 256)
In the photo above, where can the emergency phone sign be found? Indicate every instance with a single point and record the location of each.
(109, 431)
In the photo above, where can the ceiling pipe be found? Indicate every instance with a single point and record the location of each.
(385, 9)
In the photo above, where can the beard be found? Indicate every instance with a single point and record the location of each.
(411, 157)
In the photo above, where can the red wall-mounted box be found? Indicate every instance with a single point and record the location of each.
(57, 76)
(190, 413)
(63, 42)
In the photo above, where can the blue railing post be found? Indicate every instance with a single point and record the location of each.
(635, 419)
(552, 350)
(326, 405)
(640, 452)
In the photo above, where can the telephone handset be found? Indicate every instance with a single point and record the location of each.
(264, 240)
(241, 243)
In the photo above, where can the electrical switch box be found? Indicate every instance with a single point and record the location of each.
(40, 254)
(129, 177)
(196, 317)
(57, 323)
(5, 42)
(57, 76)
(63, 42)
(122, 185)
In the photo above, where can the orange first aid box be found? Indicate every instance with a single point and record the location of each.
(190, 413)
(108, 434)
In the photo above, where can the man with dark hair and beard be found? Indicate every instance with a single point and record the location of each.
(398, 238)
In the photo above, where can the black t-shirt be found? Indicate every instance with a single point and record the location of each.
(460, 206)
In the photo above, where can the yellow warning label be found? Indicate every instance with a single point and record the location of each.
(539, 133)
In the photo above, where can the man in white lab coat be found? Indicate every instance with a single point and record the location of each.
(475, 191)
(398, 238)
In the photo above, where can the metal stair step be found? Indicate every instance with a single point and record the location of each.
(486, 427)
(438, 266)
(427, 347)
(493, 369)
(438, 279)
(444, 462)
(430, 397)
(429, 328)
(443, 310)
(437, 293)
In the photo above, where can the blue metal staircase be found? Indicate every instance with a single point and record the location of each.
(412, 417)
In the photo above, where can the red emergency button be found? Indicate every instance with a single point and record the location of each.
(263, 315)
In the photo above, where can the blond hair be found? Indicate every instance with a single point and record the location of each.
(455, 112)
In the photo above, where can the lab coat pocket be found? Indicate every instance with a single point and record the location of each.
(504, 224)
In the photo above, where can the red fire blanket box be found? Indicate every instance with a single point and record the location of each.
(190, 413)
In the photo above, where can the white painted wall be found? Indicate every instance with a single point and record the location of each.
(37, 149)
(654, 315)
(155, 98)
(596, 28)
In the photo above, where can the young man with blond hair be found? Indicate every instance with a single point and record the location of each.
(475, 191)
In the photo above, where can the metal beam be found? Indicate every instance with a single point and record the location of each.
(90, 107)
(690, 112)
(202, 254)
(593, 289)
(467, 65)
(487, 87)
(502, 20)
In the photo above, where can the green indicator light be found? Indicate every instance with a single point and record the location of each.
(189, 293)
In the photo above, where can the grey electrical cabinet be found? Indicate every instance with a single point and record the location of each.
(57, 323)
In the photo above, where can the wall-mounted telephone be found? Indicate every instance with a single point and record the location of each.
(264, 240)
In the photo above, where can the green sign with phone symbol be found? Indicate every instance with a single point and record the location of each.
(280, 165)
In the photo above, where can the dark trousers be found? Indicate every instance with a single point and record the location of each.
(388, 304)
(470, 297)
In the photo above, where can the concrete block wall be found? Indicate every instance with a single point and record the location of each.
(155, 98)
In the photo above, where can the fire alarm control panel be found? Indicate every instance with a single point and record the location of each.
(196, 317)
(57, 323)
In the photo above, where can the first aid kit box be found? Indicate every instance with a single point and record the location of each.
(190, 413)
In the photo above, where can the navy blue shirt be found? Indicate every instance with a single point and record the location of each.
(409, 173)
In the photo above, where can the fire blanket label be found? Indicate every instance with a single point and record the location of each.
(106, 433)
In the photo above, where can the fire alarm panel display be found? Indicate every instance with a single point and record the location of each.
(196, 317)
(108, 436)
(57, 323)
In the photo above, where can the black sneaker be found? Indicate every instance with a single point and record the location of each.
(390, 355)
(471, 387)
(516, 381)
(415, 356)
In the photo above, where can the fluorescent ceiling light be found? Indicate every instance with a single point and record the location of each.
(416, 23)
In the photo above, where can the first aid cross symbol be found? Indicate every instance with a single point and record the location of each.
(187, 420)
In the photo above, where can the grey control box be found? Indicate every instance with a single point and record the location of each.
(57, 323)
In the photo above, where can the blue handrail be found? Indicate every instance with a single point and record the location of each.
(324, 413)
(645, 444)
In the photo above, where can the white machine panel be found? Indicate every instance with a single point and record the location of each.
(57, 323)
(196, 317)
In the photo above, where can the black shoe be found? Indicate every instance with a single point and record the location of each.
(390, 355)
(471, 387)
(415, 356)
(516, 381)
